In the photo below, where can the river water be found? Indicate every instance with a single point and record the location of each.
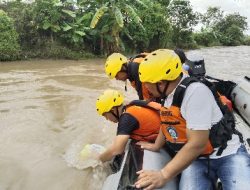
(47, 115)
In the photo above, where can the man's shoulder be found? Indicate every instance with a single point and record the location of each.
(197, 87)
(127, 123)
(198, 91)
(128, 115)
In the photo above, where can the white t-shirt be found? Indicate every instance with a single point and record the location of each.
(201, 111)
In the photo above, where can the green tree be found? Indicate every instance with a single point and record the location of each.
(225, 29)
(164, 3)
(247, 40)
(183, 19)
(208, 35)
(48, 17)
(23, 14)
(158, 30)
(206, 38)
(9, 47)
(111, 18)
(65, 20)
(230, 29)
(212, 16)
(75, 23)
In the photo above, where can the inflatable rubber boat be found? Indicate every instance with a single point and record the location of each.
(240, 96)
(238, 93)
(134, 159)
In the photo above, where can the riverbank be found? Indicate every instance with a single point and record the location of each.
(50, 52)
(64, 53)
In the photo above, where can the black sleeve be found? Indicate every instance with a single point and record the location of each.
(138, 87)
(127, 124)
(133, 75)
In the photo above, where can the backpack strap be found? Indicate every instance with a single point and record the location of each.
(220, 134)
(146, 104)
(181, 89)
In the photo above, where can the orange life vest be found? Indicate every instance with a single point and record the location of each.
(147, 115)
(138, 59)
(145, 92)
(173, 125)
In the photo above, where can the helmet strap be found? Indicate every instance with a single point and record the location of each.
(162, 93)
(124, 68)
(116, 115)
(126, 86)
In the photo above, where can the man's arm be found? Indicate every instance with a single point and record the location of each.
(197, 141)
(116, 148)
(159, 142)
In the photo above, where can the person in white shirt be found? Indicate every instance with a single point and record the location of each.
(201, 132)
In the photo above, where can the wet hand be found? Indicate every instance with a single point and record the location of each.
(150, 180)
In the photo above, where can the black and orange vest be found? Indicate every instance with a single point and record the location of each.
(148, 117)
(174, 125)
(138, 58)
(143, 91)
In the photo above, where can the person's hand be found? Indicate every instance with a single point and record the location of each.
(91, 151)
(146, 145)
(150, 180)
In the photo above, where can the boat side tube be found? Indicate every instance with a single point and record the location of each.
(135, 159)
(112, 182)
(239, 94)
(241, 99)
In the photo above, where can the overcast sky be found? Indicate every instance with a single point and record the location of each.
(228, 6)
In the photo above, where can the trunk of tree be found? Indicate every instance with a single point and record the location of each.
(102, 45)
(116, 42)
(51, 37)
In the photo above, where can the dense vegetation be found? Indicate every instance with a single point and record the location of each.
(9, 47)
(77, 29)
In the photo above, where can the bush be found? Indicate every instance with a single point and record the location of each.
(9, 46)
(55, 51)
(247, 40)
(205, 38)
(232, 36)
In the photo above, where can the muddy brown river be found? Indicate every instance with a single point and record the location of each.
(47, 115)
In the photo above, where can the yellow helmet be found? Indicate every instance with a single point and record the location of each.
(162, 64)
(114, 64)
(108, 100)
